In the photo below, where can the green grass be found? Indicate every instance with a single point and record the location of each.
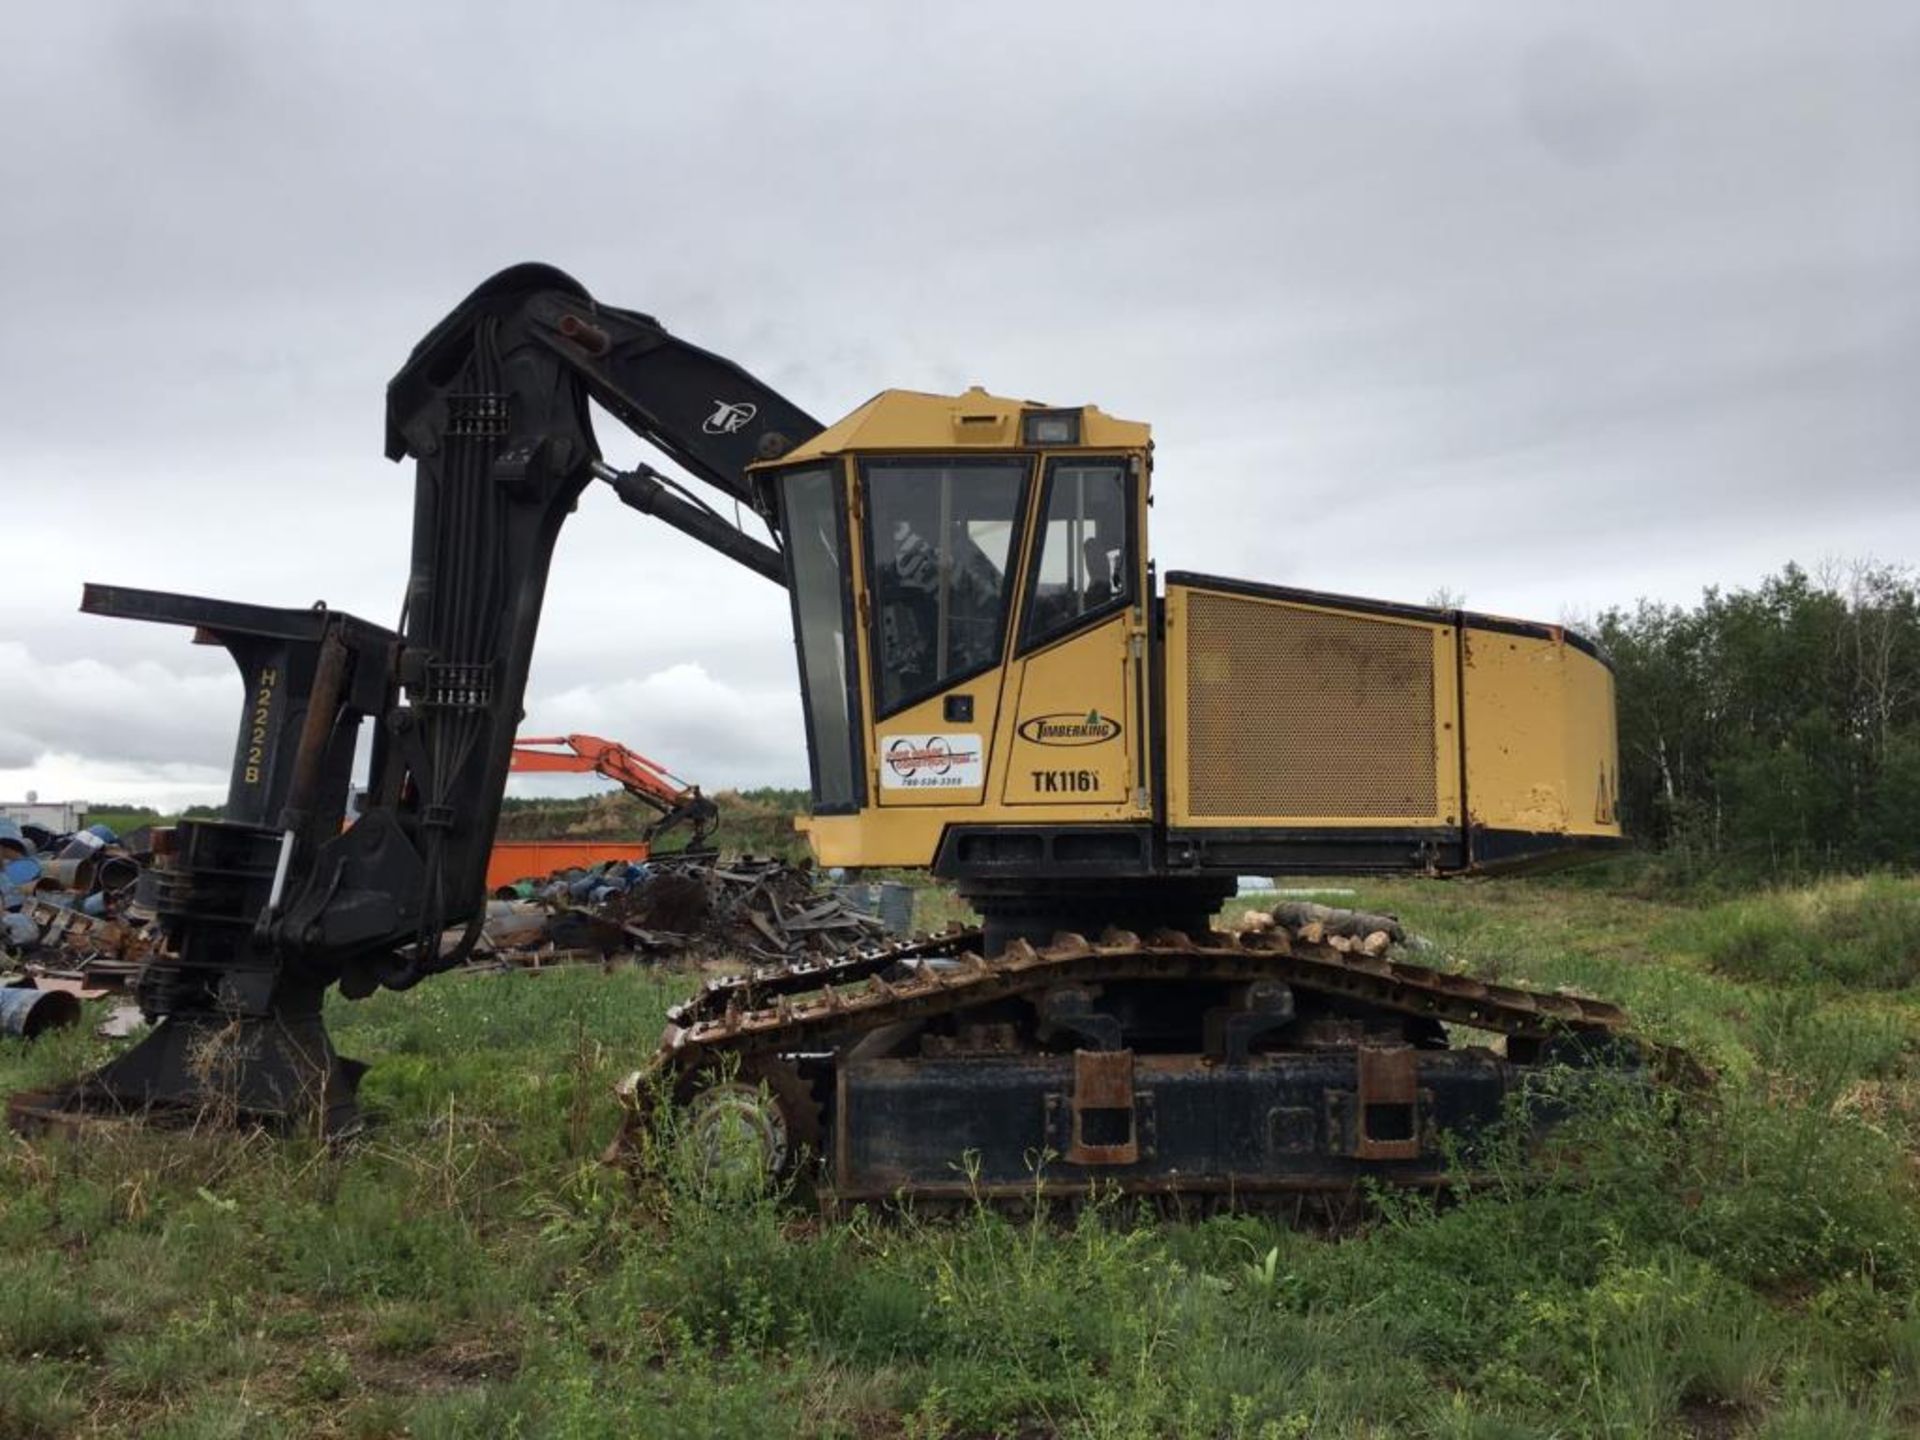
(1860, 934)
(1742, 1264)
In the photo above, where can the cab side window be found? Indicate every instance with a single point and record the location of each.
(816, 528)
(1084, 567)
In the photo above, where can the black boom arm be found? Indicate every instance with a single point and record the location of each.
(707, 413)
(267, 907)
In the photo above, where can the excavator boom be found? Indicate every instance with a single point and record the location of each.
(651, 783)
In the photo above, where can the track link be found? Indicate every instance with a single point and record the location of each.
(1195, 1132)
(818, 1003)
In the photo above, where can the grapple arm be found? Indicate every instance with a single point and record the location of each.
(268, 906)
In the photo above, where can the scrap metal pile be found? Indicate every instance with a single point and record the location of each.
(692, 907)
(70, 921)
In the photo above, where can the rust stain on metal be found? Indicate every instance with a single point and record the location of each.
(1387, 1125)
(1103, 1105)
(589, 337)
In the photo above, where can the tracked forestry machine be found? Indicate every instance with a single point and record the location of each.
(996, 687)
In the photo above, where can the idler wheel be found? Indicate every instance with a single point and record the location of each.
(758, 1125)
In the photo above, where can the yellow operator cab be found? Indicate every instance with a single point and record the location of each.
(995, 687)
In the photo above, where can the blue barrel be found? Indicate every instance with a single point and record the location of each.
(26, 1012)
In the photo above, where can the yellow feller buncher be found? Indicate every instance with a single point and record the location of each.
(997, 687)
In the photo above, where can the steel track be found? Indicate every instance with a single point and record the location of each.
(818, 1004)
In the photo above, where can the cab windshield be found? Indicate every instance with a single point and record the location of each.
(941, 549)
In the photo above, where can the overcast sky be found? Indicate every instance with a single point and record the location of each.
(1552, 305)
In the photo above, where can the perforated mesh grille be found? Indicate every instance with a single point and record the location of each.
(1299, 713)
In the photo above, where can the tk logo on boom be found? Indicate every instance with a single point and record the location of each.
(728, 416)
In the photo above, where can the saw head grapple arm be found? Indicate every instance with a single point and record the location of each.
(268, 906)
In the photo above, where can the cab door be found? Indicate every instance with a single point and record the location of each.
(1076, 737)
(942, 536)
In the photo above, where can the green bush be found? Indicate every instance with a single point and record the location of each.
(376, 1242)
(183, 1353)
(45, 1309)
(405, 1330)
(1830, 1420)
(1863, 933)
(38, 1400)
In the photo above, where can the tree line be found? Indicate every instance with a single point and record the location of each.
(1774, 731)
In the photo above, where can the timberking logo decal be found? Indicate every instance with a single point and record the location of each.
(929, 762)
(1070, 728)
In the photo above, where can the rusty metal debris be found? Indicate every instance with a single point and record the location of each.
(72, 919)
(694, 908)
(70, 913)
(26, 1010)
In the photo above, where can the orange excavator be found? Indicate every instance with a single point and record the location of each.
(675, 801)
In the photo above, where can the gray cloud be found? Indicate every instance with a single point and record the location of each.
(1549, 303)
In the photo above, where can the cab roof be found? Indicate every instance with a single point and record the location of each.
(915, 420)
